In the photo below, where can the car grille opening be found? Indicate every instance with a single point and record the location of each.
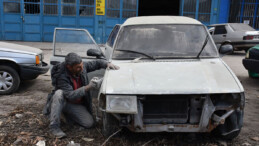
(166, 109)
(172, 109)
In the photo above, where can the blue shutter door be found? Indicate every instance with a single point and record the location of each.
(32, 13)
(50, 18)
(206, 11)
(12, 18)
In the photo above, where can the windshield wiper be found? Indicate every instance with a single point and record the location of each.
(152, 57)
(203, 46)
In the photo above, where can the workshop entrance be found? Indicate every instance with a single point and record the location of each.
(162, 7)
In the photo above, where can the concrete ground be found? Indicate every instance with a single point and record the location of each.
(34, 93)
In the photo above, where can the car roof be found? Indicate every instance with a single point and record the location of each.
(160, 20)
(223, 24)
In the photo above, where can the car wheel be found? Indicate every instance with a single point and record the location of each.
(251, 65)
(9, 80)
(232, 126)
(230, 45)
(231, 136)
(110, 124)
(254, 54)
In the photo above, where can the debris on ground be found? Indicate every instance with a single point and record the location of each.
(222, 143)
(41, 143)
(255, 138)
(246, 144)
(72, 143)
(18, 141)
(18, 115)
(87, 139)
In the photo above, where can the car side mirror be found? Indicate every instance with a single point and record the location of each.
(225, 49)
(96, 53)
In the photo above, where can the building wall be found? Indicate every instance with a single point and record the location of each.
(35, 20)
(206, 11)
(244, 11)
(224, 11)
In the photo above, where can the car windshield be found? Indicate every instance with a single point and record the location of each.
(241, 27)
(163, 41)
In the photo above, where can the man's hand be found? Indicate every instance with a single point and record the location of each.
(95, 83)
(112, 66)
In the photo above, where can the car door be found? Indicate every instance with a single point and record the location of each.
(67, 40)
(220, 34)
(110, 42)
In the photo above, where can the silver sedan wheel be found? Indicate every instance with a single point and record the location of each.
(6, 81)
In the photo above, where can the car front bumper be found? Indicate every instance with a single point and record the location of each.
(32, 72)
(203, 114)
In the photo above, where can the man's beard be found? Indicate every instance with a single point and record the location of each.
(78, 73)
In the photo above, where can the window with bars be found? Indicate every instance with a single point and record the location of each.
(68, 1)
(189, 8)
(86, 8)
(129, 8)
(11, 6)
(204, 10)
(31, 6)
(50, 7)
(113, 8)
(235, 11)
(246, 12)
(68, 7)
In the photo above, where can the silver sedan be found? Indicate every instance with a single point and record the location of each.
(241, 36)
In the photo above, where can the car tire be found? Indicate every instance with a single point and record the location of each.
(231, 136)
(9, 80)
(230, 45)
(232, 126)
(251, 65)
(110, 124)
(254, 54)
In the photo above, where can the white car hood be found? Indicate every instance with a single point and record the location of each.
(9, 47)
(178, 77)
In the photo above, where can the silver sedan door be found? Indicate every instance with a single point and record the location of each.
(220, 34)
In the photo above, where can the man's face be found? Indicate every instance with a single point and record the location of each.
(75, 69)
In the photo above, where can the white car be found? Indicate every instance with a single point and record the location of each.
(241, 36)
(171, 79)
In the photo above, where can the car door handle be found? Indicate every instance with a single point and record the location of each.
(224, 35)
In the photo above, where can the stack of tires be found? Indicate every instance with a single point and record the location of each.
(251, 62)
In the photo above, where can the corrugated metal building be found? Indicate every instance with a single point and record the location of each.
(35, 20)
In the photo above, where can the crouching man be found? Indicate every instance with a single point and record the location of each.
(71, 94)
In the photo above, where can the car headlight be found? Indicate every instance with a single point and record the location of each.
(121, 104)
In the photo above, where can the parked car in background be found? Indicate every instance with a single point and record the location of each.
(251, 62)
(18, 62)
(241, 36)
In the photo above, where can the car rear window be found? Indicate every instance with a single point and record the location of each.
(241, 27)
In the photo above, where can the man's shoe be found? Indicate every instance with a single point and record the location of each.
(58, 132)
